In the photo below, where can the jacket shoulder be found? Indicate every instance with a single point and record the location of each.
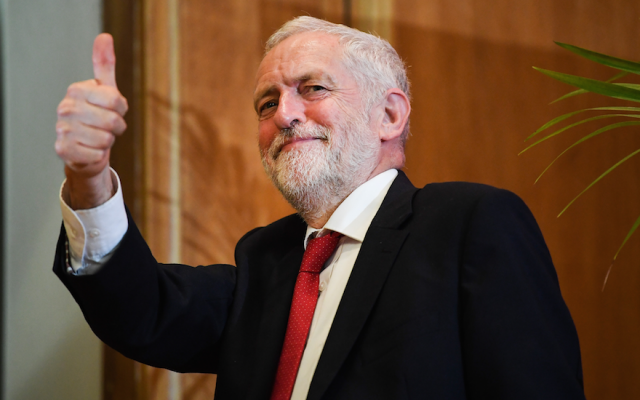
(459, 188)
(453, 205)
(461, 195)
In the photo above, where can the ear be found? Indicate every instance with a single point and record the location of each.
(396, 113)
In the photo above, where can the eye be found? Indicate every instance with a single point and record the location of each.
(316, 88)
(267, 105)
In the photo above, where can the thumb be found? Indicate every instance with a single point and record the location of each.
(104, 60)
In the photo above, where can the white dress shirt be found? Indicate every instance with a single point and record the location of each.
(352, 219)
(94, 234)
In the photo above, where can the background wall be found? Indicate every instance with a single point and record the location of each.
(189, 162)
(476, 99)
(49, 352)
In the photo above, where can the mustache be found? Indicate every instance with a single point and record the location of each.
(297, 132)
(305, 132)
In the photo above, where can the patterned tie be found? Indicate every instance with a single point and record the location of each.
(305, 297)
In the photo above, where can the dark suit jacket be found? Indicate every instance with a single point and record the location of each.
(453, 296)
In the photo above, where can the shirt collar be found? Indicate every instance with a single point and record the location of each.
(353, 217)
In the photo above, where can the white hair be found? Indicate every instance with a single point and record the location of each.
(374, 63)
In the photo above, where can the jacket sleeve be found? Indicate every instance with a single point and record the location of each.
(165, 315)
(518, 338)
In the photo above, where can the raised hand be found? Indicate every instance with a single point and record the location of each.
(90, 116)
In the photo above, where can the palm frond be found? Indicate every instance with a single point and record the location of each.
(633, 229)
(616, 90)
(609, 61)
(598, 179)
(584, 121)
(589, 136)
(571, 114)
(582, 91)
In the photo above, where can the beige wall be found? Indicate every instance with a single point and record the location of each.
(49, 352)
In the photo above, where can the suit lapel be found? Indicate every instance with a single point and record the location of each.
(273, 325)
(377, 254)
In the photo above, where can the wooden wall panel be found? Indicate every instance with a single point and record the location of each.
(200, 61)
(475, 100)
(224, 191)
(123, 19)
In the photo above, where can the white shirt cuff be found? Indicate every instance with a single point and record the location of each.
(94, 233)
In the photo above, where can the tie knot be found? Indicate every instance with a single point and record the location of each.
(318, 251)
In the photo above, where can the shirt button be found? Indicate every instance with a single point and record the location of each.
(323, 286)
(94, 233)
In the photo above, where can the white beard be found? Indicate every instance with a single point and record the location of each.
(316, 177)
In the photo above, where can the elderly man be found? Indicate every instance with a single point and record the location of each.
(441, 292)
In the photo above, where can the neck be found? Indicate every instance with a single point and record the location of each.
(319, 222)
(321, 216)
(316, 211)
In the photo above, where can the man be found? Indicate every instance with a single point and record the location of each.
(443, 292)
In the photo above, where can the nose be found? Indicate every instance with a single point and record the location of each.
(290, 111)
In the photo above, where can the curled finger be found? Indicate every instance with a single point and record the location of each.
(108, 97)
(100, 118)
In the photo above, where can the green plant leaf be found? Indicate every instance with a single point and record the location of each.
(609, 61)
(582, 91)
(616, 90)
(628, 85)
(571, 114)
(589, 136)
(598, 179)
(570, 94)
(633, 229)
(559, 131)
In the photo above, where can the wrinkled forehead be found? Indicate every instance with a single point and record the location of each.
(302, 50)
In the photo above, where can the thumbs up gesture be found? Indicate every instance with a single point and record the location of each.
(90, 117)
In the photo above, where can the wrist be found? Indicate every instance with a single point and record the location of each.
(83, 192)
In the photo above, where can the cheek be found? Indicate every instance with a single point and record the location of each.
(320, 114)
(266, 133)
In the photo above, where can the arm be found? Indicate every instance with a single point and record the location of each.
(89, 118)
(517, 335)
(165, 315)
(170, 316)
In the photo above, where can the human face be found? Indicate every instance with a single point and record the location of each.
(302, 80)
(314, 137)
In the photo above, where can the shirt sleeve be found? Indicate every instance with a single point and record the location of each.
(95, 233)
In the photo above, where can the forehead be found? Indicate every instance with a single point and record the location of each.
(299, 56)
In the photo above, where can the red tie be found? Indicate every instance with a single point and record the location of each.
(305, 297)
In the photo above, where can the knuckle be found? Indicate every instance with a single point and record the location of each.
(99, 156)
(105, 98)
(108, 141)
(62, 129)
(111, 103)
(120, 127)
(119, 104)
(113, 121)
(102, 141)
(65, 108)
(74, 90)
(125, 105)
(60, 148)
